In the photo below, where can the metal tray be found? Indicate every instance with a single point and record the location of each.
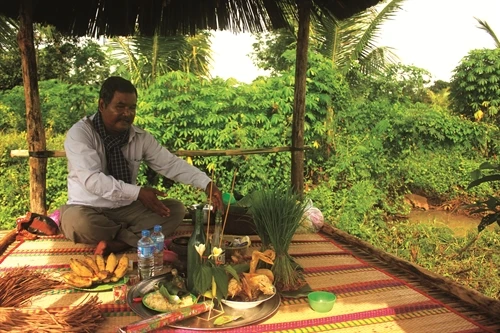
(249, 316)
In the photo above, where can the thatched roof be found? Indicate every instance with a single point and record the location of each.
(119, 17)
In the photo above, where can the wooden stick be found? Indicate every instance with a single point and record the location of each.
(227, 209)
(229, 152)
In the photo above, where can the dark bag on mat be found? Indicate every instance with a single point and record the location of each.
(37, 224)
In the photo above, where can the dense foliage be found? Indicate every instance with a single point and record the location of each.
(61, 104)
(475, 86)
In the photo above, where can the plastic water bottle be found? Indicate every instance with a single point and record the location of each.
(159, 240)
(145, 255)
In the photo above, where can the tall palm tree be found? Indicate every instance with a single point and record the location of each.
(354, 39)
(345, 42)
(8, 31)
(486, 27)
(146, 58)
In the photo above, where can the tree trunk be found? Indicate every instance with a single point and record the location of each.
(34, 125)
(299, 106)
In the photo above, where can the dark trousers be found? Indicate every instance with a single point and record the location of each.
(90, 225)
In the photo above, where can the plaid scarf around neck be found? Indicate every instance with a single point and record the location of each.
(117, 164)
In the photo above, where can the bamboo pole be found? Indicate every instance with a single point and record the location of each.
(191, 153)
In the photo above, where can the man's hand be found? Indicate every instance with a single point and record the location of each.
(149, 198)
(216, 198)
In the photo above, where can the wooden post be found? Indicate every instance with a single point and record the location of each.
(34, 125)
(299, 107)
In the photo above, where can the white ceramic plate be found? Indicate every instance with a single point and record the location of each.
(240, 305)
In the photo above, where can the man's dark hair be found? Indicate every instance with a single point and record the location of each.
(113, 84)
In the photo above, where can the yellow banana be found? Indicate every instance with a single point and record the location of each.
(77, 281)
(99, 260)
(80, 268)
(121, 268)
(111, 262)
(103, 275)
(91, 263)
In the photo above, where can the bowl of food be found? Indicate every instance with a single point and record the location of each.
(242, 304)
(321, 301)
(236, 246)
(254, 287)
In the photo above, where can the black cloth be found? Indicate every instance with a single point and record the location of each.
(117, 164)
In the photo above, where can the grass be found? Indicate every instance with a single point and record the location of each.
(468, 261)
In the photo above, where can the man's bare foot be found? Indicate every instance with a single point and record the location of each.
(106, 247)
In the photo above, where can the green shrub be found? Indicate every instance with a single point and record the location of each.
(14, 181)
(475, 88)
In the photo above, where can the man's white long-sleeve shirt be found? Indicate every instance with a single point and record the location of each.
(88, 181)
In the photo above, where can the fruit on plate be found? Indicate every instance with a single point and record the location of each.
(95, 270)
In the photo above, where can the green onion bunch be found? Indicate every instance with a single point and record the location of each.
(277, 213)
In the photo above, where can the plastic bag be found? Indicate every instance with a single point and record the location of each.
(312, 219)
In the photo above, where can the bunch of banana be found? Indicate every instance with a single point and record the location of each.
(89, 270)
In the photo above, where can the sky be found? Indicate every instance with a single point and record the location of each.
(431, 34)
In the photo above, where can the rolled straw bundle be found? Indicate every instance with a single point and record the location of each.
(18, 285)
(83, 318)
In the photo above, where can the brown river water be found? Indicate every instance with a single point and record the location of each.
(459, 223)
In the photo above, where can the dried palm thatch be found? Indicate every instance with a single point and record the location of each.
(169, 17)
(18, 285)
(82, 318)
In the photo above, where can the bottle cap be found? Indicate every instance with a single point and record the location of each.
(157, 228)
(146, 233)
